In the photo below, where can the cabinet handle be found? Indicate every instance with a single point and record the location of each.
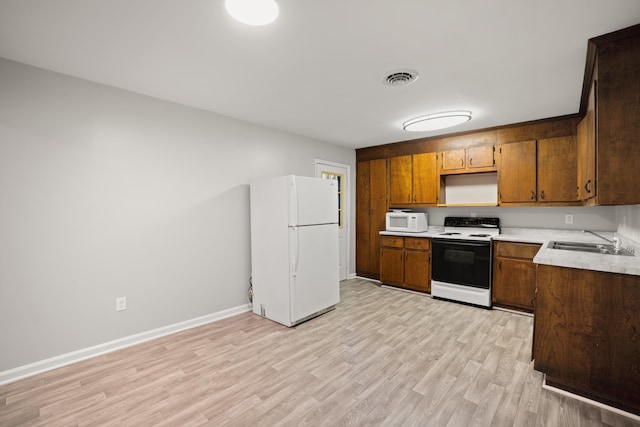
(409, 197)
(500, 265)
(533, 195)
(470, 162)
(586, 187)
(414, 198)
(461, 162)
(542, 194)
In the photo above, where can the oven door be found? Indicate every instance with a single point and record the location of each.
(462, 262)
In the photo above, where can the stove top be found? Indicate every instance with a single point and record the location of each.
(470, 228)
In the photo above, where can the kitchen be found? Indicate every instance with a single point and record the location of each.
(113, 203)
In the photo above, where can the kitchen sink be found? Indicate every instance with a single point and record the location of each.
(596, 248)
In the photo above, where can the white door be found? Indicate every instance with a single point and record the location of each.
(340, 174)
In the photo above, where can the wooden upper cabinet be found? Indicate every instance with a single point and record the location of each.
(425, 176)
(480, 157)
(413, 179)
(452, 160)
(517, 174)
(586, 149)
(401, 171)
(466, 160)
(557, 170)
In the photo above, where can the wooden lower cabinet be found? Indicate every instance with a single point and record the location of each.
(586, 334)
(514, 275)
(406, 262)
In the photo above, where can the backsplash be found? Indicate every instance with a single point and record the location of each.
(596, 218)
(628, 218)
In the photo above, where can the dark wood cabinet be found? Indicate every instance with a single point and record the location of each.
(617, 72)
(538, 172)
(586, 148)
(586, 334)
(517, 172)
(413, 180)
(406, 262)
(514, 275)
(371, 208)
(557, 170)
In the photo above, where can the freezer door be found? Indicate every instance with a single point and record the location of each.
(312, 201)
(315, 284)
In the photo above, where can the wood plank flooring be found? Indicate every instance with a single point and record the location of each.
(382, 358)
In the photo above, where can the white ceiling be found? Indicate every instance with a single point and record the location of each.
(318, 69)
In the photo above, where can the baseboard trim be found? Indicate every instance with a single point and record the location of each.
(351, 276)
(45, 365)
(589, 401)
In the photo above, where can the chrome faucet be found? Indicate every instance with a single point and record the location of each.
(617, 244)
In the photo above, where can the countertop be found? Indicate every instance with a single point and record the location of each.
(583, 260)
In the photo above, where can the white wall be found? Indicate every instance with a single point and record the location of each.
(629, 222)
(107, 193)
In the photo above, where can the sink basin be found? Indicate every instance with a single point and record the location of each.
(596, 248)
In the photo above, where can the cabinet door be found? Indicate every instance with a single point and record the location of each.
(557, 169)
(586, 332)
(452, 160)
(517, 174)
(480, 157)
(392, 266)
(379, 208)
(371, 207)
(514, 283)
(425, 178)
(363, 218)
(401, 180)
(586, 147)
(417, 267)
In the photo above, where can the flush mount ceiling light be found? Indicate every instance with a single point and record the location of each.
(436, 121)
(253, 12)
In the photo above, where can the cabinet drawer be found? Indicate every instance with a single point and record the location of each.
(417, 243)
(516, 250)
(392, 241)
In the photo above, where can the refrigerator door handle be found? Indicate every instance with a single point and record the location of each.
(295, 252)
(293, 202)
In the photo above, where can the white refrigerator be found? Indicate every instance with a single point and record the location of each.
(294, 248)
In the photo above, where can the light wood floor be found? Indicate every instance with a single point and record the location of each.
(383, 357)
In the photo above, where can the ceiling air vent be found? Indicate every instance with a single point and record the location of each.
(400, 77)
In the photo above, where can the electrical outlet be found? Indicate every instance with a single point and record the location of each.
(568, 219)
(121, 303)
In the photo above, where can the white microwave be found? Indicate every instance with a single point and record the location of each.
(408, 222)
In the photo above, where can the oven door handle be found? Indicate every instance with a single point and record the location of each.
(459, 242)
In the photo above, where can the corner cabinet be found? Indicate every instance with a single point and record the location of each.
(586, 336)
(514, 275)
(406, 262)
(413, 180)
(371, 208)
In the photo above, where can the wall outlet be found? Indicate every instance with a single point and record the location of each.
(121, 303)
(568, 219)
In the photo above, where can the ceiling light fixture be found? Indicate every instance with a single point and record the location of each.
(436, 121)
(253, 12)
